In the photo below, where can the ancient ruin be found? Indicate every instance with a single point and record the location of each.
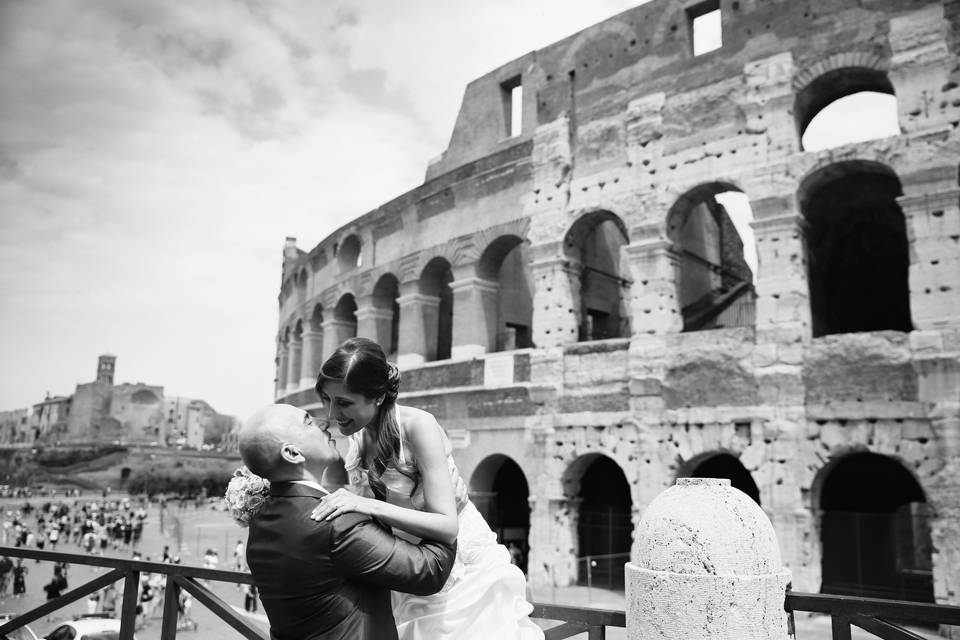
(568, 290)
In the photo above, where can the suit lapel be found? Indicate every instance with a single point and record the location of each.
(294, 490)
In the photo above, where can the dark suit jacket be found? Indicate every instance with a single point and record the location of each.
(331, 580)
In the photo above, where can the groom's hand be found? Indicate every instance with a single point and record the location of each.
(339, 502)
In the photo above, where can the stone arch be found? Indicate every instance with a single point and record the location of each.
(345, 313)
(598, 486)
(386, 291)
(350, 253)
(858, 251)
(434, 283)
(499, 489)
(505, 261)
(833, 78)
(874, 528)
(721, 464)
(592, 247)
(144, 396)
(714, 281)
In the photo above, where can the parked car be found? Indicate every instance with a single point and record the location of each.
(96, 626)
(23, 633)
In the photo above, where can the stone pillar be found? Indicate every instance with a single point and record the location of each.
(293, 366)
(283, 363)
(418, 326)
(311, 357)
(474, 317)
(932, 212)
(706, 564)
(556, 297)
(783, 292)
(553, 542)
(374, 322)
(654, 304)
(335, 333)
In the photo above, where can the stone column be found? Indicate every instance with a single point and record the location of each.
(374, 322)
(311, 357)
(474, 317)
(783, 292)
(932, 212)
(293, 367)
(283, 360)
(556, 296)
(654, 265)
(418, 326)
(335, 332)
(706, 564)
(553, 542)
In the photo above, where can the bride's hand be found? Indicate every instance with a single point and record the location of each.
(338, 502)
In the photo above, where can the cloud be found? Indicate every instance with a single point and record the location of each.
(155, 155)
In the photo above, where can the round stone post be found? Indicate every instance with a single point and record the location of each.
(706, 565)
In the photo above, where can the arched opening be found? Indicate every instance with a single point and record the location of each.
(593, 243)
(349, 255)
(845, 105)
(604, 525)
(435, 281)
(302, 282)
(505, 262)
(345, 313)
(724, 465)
(385, 295)
(144, 396)
(857, 249)
(498, 488)
(715, 279)
(875, 530)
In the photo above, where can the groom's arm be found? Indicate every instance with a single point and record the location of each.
(362, 549)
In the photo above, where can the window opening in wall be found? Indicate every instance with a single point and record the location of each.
(512, 96)
(857, 249)
(866, 115)
(705, 27)
(710, 228)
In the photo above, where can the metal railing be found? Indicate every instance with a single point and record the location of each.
(177, 577)
(873, 615)
(575, 620)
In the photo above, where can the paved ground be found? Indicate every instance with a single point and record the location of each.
(191, 531)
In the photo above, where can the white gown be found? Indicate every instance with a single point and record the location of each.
(484, 597)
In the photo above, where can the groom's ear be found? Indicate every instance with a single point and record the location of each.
(291, 453)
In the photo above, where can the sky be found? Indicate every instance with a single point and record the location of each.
(154, 156)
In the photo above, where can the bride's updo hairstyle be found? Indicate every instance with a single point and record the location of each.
(362, 367)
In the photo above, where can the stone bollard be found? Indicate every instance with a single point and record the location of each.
(706, 566)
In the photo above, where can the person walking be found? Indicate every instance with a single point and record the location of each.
(19, 578)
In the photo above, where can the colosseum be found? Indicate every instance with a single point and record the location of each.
(572, 295)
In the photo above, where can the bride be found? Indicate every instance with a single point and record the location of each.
(402, 472)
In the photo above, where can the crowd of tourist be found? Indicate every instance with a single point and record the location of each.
(101, 526)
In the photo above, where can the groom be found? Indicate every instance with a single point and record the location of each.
(331, 579)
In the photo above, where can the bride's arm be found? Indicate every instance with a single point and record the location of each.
(438, 520)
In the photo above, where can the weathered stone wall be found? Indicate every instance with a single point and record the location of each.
(622, 122)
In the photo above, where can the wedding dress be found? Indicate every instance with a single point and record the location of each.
(484, 596)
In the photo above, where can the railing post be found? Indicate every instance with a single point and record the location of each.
(128, 612)
(171, 609)
(706, 564)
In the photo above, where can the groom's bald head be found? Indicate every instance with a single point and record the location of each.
(276, 434)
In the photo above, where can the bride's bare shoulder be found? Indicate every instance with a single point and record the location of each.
(414, 419)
